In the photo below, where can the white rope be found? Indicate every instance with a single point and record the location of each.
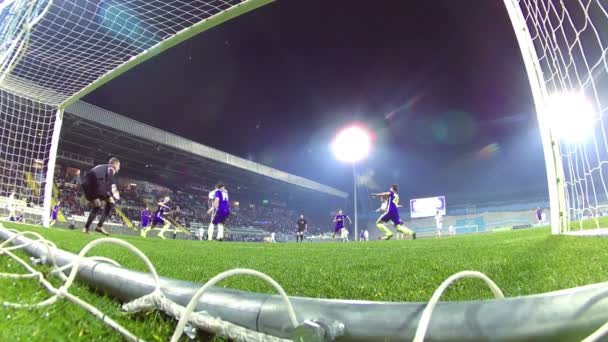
(192, 304)
(62, 291)
(114, 241)
(201, 320)
(425, 319)
(154, 300)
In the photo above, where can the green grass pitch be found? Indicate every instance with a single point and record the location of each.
(522, 262)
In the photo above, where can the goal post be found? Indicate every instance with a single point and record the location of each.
(53, 53)
(50, 169)
(564, 46)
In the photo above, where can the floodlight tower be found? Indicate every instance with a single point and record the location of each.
(352, 144)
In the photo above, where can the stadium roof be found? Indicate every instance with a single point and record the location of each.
(95, 132)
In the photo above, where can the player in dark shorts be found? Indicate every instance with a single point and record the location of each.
(99, 186)
(159, 219)
(302, 226)
(145, 218)
(339, 223)
(55, 213)
(539, 215)
(392, 214)
(220, 210)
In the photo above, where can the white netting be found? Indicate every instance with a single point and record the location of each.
(62, 46)
(153, 301)
(571, 41)
(25, 137)
(54, 51)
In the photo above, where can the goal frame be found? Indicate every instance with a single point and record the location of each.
(183, 35)
(551, 148)
(180, 36)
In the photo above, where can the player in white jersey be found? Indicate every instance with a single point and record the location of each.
(438, 223)
(211, 213)
(201, 233)
(383, 204)
(344, 235)
(452, 230)
(10, 206)
(271, 238)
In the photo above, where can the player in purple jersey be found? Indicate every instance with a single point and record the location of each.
(99, 185)
(392, 214)
(145, 217)
(55, 213)
(159, 219)
(220, 210)
(339, 223)
(539, 215)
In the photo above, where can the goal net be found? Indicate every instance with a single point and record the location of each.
(53, 52)
(564, 44)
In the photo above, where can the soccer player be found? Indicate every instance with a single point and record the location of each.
(10, 206)
(365, 235)
(438, 223)
(159, 219)
(220, 210)
(271, 238)
(302, 226)
(539, 215)
(383, 204)
(383, 208)
(452, 230)
(55, 213)
(99, 186)
(392, 214)
(339, 223)
(145, 218)
(16, 217)
(201, 233)
(211, 213)
(344, 235)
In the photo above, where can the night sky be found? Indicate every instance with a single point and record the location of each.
(442, 84)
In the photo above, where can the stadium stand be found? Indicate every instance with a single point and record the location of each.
(248, 222)
(155, 163)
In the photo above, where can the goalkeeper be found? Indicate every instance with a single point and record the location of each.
(99, 185)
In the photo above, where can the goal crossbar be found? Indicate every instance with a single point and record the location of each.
(183, 35)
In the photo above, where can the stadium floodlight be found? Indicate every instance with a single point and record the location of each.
(352, 144)
(571, 116)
